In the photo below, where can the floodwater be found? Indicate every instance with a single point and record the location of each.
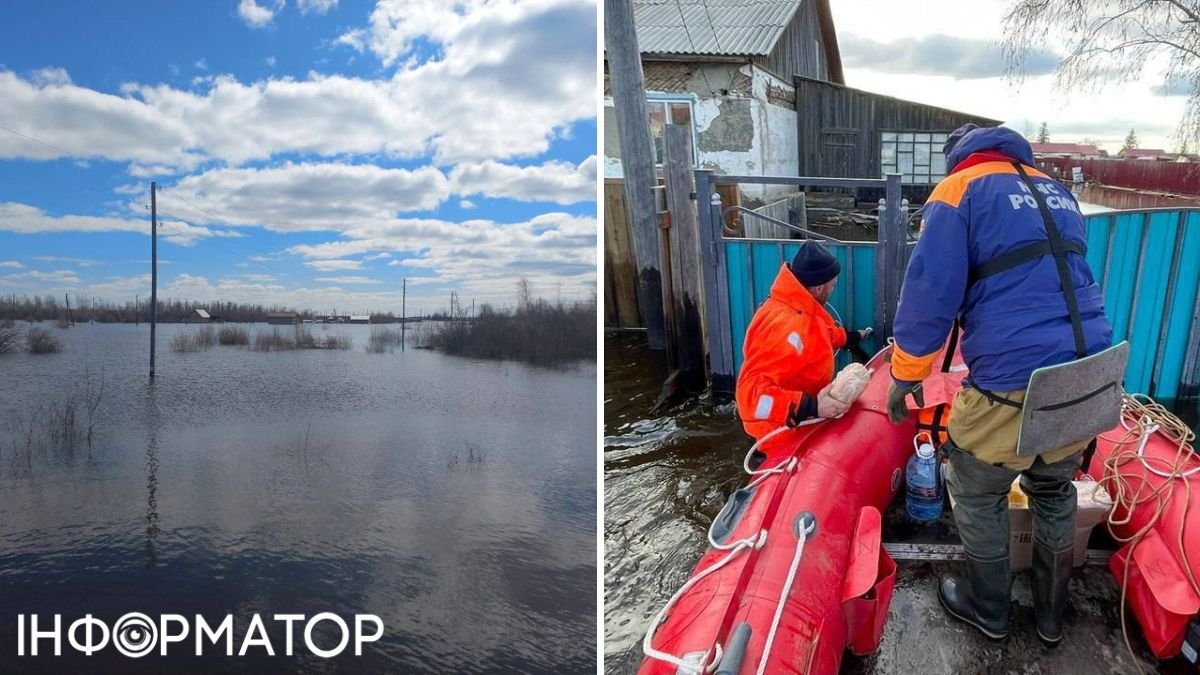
(667, 475)
(454, 498)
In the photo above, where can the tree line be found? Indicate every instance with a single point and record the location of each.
(81, 309)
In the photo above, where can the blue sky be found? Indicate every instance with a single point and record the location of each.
(310, 153)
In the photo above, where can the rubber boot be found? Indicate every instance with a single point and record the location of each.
(979, 598)
(1051, 574)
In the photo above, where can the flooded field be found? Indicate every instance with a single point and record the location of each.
(453, 498)
(667, 475)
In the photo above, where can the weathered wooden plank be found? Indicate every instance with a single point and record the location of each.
(618, 252)
(637, 160)
(684, 238)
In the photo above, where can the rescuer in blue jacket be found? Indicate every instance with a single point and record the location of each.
(1014, 320)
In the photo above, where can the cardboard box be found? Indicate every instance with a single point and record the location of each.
(1093, 507)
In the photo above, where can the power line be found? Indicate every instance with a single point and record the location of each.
(712, 26)
(65, 152)
(209, 241)
(688, 33)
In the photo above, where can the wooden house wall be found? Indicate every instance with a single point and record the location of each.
(839, 128)
(800, 50)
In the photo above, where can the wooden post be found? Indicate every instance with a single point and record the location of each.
(153, 270)
(684, 238)
(637, 159)
(716, 286)
(889, 258)
(620, 268)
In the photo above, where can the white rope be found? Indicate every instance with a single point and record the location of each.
(783, 595)
(706, 665)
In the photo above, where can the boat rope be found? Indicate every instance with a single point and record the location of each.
(1142, 417)
(733, 549)
(801, 537)
(706, 665)
(787, 465)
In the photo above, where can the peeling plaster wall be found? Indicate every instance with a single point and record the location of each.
(743, 117)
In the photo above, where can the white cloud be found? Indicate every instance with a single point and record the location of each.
(481, 257)
(257, 16)
(560, 182)
(25, 219)
(271, 61)
(11, 263)
(348, 280)
(466, 204)
(82, 262)
(50, 76)
(334, 265)
(1103, 113)
(308, 197)
(355, 39)
(508, 80)
(318, 6)
(43, 279)
(201, 64)
(379, 256)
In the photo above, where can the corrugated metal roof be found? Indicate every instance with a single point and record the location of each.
(717, 27)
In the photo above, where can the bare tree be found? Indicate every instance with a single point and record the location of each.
(1112, 41)
(524, 293)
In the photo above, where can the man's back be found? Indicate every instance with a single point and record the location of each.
(1014, 318)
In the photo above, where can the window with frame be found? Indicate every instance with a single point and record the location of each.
(668, 111)
(915, 155)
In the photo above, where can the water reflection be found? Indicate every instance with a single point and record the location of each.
(301, 482)
(152, 425)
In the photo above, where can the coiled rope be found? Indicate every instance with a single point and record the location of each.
(1142, 417)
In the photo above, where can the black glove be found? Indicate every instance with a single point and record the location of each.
(806, 410)
(897, 407)
(853, 337)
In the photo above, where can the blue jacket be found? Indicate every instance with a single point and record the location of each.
(1014, 321)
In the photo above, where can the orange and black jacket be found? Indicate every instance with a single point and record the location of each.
(788, 358)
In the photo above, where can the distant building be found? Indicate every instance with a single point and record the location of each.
(201, 315)
(1067, 151)
(360, 318)
(283, 318)
(1147, 155)
(726, 71)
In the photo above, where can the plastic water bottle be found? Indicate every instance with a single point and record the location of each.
(924, 478)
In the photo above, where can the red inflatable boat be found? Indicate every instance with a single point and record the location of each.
(796, 573)
(1148, 467)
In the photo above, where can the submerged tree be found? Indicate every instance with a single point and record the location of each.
(1112, 41)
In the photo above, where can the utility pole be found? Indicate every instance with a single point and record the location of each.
(637, 160)
(137, 305)
(67, 297)
(153, 270)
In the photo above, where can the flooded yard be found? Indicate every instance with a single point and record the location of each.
(454, 498)
(667, 475)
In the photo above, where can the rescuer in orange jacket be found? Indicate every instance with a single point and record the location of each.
(790, 345)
